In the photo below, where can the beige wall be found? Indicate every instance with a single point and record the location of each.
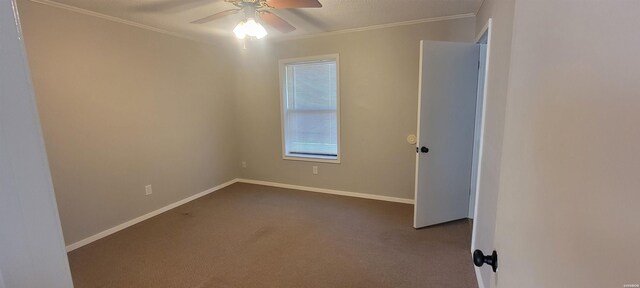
(501, 13)
(568, 206)
(123, 107)
(379, 97)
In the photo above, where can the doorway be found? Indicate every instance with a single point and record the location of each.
(450, 129)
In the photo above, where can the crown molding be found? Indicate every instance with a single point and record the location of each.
(117, 20)
(376, 27)
(480, 7)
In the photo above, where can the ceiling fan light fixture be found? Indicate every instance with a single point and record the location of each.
(249, 28)
(240, 31)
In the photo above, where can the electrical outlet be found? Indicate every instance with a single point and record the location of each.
(244, 164)
(315, 170)
(148, 190)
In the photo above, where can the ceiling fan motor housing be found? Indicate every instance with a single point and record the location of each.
(256, 4)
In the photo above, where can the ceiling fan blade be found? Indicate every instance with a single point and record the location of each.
(294, 3)
(171, 5)
(276, 22)
(216, 16)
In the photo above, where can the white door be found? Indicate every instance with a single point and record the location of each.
(31, 245)
(484, 219)
(446, 119)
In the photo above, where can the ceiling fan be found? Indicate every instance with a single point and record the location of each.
(253, 9)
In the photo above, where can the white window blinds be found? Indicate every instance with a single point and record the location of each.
(310, 109)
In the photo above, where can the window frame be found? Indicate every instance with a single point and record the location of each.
(282, 72)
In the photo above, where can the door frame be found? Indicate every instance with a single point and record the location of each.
(479, 133)
(415, 187)
(486, 30)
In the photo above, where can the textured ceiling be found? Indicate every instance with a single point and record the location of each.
(175, 15)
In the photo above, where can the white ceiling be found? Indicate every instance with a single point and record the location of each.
(175, 15)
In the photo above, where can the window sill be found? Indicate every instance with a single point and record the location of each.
(313, 159)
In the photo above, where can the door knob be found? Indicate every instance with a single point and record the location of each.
(424, 149)
(480, 259)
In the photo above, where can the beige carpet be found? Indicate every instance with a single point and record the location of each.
(256, 236)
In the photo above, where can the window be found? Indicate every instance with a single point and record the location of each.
(310, 108)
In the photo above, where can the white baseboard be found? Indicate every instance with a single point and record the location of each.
(131, 222)
(329, 191)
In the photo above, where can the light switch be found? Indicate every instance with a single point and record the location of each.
(412, 139)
